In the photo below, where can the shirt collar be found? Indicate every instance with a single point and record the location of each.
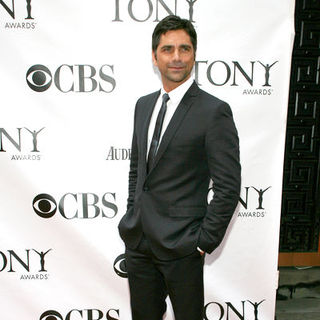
(177, 94)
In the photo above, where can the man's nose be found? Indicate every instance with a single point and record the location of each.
(176, 55)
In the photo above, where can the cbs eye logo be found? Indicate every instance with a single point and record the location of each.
(119, 266)
(85, 314)
(51, 315)
(39, 78)
(44, 205)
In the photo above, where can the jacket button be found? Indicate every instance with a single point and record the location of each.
(145, 188)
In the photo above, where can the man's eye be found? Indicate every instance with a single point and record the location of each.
(186, 49)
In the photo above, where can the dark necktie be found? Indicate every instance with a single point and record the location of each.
(157, 132)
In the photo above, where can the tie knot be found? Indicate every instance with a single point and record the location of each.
(165, 98)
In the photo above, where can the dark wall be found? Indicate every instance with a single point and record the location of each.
(300, 214)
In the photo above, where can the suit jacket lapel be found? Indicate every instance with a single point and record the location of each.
(176, 120)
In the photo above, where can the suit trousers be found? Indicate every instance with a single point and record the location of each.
(151, 280)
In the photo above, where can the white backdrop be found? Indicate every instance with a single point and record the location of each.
(71, 72)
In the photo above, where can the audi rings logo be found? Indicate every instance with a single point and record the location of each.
(39, 78)
(119, 266)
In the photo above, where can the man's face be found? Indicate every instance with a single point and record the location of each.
(174, 58)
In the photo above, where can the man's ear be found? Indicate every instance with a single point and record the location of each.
(154, 58)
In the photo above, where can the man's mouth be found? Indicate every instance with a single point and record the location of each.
(176, 67)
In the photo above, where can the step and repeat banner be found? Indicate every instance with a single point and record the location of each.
(70, 74)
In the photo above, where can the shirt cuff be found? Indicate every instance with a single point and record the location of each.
(200, 250)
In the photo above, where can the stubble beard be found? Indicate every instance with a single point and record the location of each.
(178, 77)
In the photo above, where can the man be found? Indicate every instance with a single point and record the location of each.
(182, 137)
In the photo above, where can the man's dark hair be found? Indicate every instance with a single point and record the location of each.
(173, 22)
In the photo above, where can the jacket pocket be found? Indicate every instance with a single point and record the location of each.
(187, 211)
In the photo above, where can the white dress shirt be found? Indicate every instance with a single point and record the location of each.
(175, 96)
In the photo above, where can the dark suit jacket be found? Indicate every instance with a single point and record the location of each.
(169, 204)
